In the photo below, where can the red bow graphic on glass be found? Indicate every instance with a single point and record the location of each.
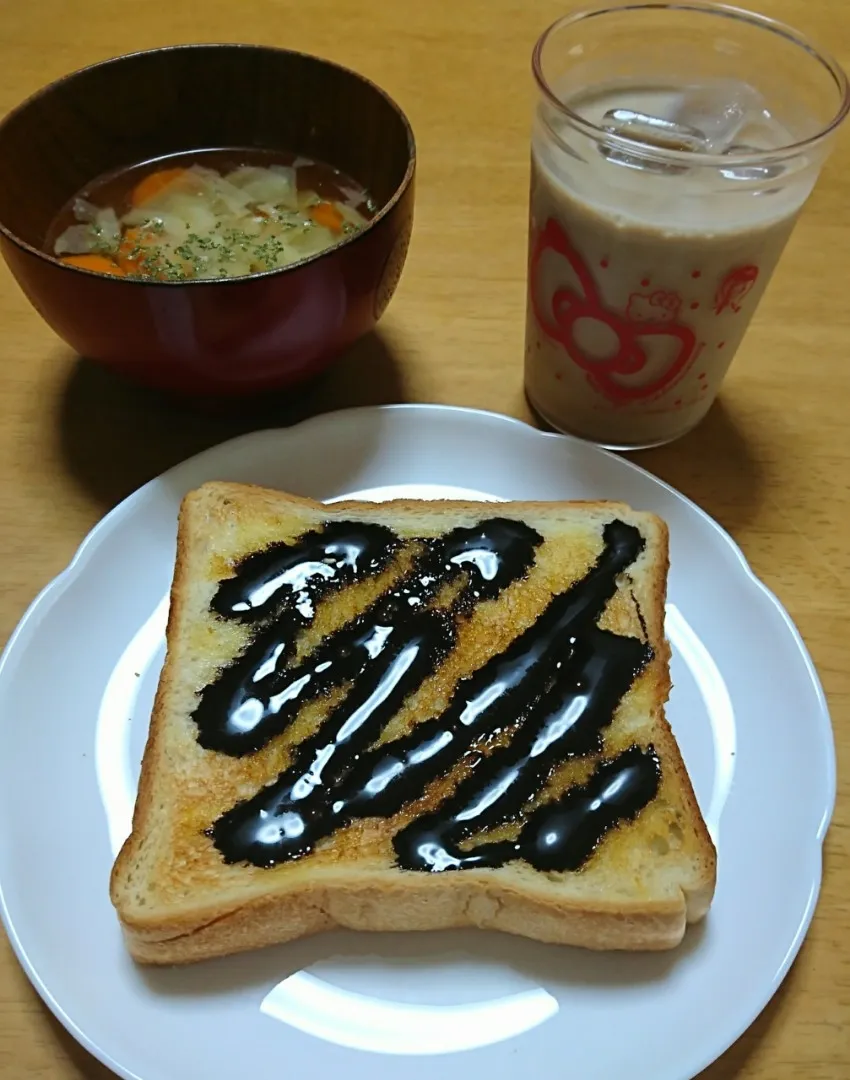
(628, 356)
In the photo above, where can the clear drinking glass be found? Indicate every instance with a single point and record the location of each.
(651, 244)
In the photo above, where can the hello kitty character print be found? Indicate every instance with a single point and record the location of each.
(647, 315)
(658, 306)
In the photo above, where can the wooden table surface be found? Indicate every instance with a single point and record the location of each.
(771, 462)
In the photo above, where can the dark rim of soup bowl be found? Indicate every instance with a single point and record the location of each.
(198, 282)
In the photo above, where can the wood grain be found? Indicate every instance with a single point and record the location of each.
(771, 462)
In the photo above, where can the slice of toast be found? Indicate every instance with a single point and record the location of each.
(412, 716)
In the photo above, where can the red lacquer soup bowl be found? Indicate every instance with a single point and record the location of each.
(225, 336)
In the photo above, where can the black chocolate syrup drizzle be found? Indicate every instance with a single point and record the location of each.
(258, 695)
(279, 588)
(290, 578)
(567, 722)
(563, 678)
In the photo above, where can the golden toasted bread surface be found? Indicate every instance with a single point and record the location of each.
(410, 716)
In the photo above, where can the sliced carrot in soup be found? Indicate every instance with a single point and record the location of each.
(100, 264)
(129, 249)
(154, 183)
(325, 213)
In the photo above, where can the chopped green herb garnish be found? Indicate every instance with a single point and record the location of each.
(271, 225)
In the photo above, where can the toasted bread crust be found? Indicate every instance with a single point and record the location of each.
(233, 912)
(420, 904)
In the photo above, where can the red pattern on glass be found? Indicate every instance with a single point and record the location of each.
(734, 287)
(628, 358)
(659, 306)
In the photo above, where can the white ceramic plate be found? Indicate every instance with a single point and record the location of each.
(76, 686)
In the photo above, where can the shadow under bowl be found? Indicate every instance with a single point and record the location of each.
(208, 337)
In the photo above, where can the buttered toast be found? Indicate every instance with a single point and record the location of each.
(412, 716)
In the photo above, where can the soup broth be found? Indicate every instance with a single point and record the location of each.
(209, 215)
